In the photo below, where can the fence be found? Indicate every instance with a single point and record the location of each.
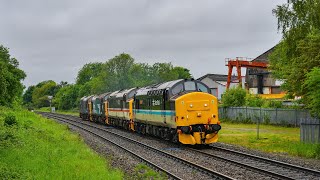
(310, 131)
(277, 116)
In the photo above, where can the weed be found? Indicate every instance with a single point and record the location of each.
(10, 120)
(317, 152)
(142, 171)
(247, 121)
(7, 172)
(267, 119)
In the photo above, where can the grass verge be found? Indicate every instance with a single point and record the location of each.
(70, 112)
(143, 171)
(274, 139)
(32, 147)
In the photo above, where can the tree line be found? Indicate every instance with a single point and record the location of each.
(120, 72)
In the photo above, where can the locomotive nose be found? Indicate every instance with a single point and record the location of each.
(197, 118)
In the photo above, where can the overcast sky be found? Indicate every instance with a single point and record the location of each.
(54, 39)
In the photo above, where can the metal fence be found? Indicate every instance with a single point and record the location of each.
(310, 131)
(277, 116)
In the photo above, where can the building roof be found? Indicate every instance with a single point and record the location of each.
(264, 56)
(217, 77)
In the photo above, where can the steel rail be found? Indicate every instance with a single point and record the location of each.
(279, 163)
(154, 166)
(199, 167)
(274, 174)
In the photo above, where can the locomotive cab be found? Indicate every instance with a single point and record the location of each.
(196, 113)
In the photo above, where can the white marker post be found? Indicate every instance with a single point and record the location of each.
(50, 100)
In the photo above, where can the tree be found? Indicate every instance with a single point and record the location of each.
(27, 96)
(88, 72)
(298, 52)
(67, 97)
(42, 91)
(234, 97)
(162, 72)
(182, 73)
(120, 72)
(10, 78)
(312, 84)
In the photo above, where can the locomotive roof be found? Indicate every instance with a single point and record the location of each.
(124, 92)
(86, 98)
(165, 85)
(113, 94)
(168, 84)
(90, 97)
(104, 95)
(94, 98)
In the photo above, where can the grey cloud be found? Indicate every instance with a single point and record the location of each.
(54, 39)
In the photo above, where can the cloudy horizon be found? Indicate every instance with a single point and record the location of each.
(52, 40)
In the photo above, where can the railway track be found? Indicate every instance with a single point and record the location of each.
(173, 175)
(271, 168)
(274, 168)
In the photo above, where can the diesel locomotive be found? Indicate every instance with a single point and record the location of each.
(180, 111)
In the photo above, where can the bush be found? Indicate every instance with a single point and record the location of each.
(272, 104)
(234, 97)
(10, 120)
(254, 100)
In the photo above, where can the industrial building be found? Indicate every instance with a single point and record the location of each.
(218, 83)
(258, 79)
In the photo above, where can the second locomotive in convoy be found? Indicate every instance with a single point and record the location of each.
(180, 111)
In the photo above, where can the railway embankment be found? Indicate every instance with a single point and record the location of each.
(32, 147)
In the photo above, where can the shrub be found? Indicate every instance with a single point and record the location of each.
(254, 101)
(10, 120)
(272, 104)
(234, 97)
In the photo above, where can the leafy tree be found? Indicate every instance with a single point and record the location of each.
(41, 92)
(182, 73)
(141, 75)
(63, 84)
(118, 69)
(85, 90)
(67, 96)
(298, 52)
(88, 72)
(10, 78)
(312, 84)
(234, 97)
(27, 96)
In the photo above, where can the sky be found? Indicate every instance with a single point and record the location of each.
(52, 40)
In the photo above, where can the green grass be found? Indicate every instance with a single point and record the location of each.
(273, 139)
(32, 147)
(70, 112)
(142, 171)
